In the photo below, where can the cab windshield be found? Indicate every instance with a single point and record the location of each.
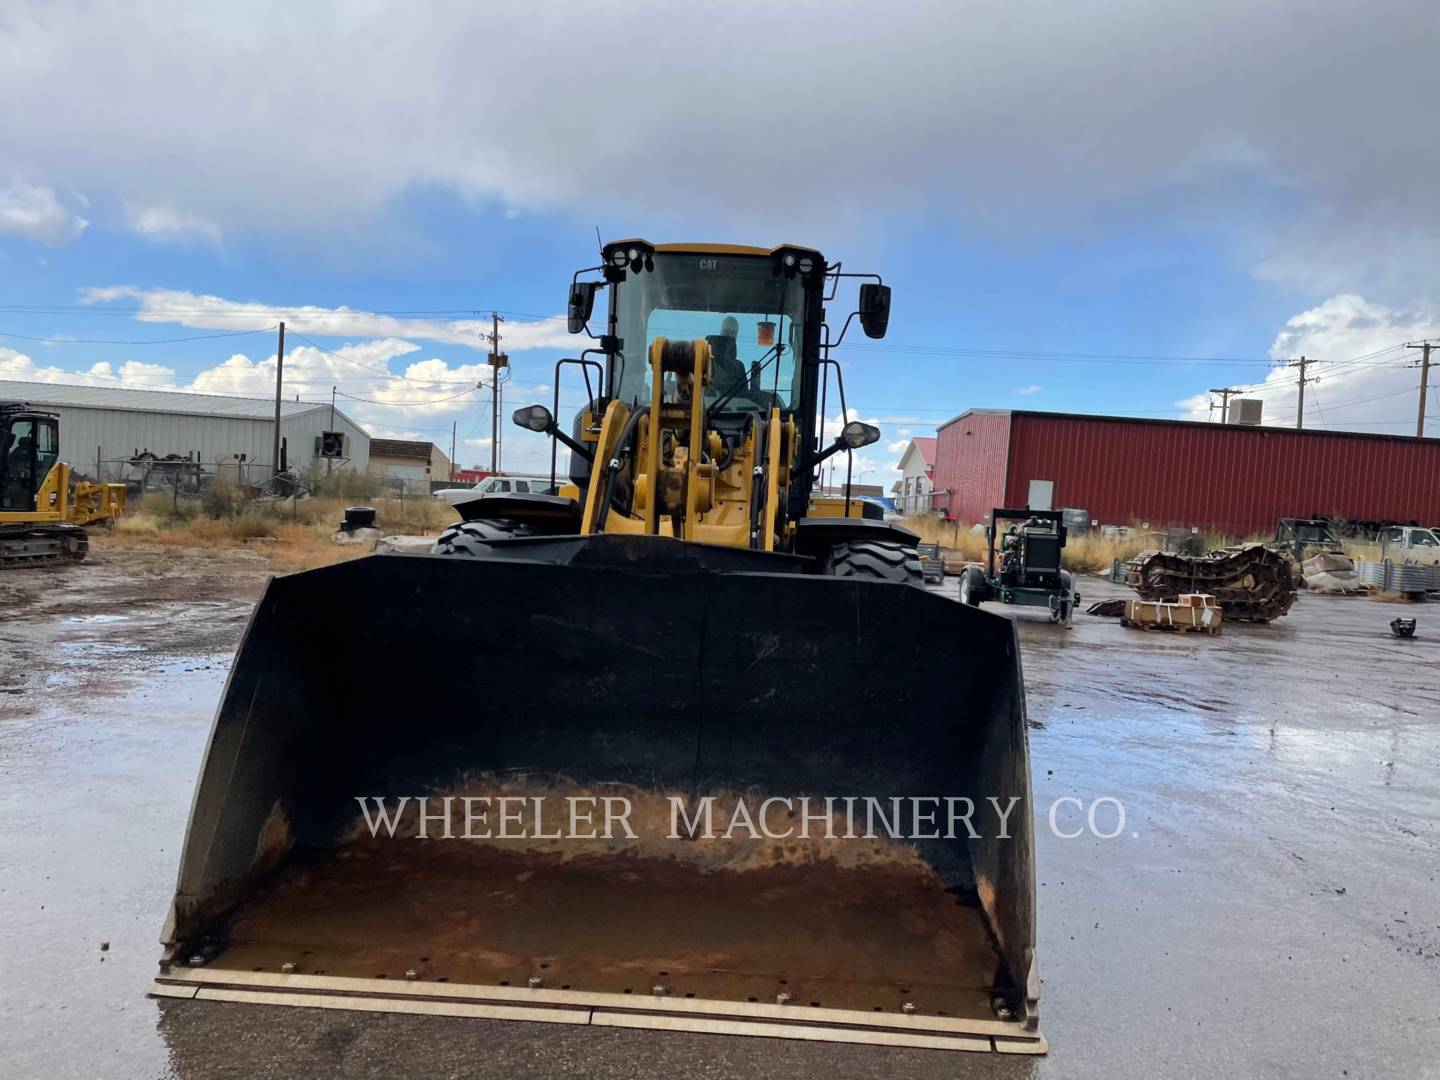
(752, 318)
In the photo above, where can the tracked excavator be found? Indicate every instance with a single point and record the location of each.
(43, 508)
(707, 756)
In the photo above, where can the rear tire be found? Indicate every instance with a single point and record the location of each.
(878, 559)
(468, 537)
(972, 586)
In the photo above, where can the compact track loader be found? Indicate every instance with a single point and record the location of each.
(705, 755)
(43, 509)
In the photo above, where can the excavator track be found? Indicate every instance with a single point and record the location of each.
(1253, 583)
(38, 545)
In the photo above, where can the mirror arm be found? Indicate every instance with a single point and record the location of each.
(836, 343)
(826, 454)
(571, 444)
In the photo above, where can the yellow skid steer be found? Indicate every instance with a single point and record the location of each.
(712, 758)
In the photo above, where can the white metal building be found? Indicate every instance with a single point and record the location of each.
(110, 425)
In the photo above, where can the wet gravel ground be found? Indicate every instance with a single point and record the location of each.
(1271, 907)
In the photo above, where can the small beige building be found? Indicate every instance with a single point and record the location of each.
(413, 465)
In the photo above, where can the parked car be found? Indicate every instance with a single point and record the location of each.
(498, 485)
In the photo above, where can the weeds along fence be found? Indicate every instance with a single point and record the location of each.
(1092, 552)
(235, 502)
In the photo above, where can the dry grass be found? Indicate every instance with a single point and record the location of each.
(289, 535)
(1091, 553)
(957, 540)
(1095, 554)
(1396, 598)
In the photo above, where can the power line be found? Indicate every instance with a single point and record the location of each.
(145, 314)
(148, 341)
(1058, 357)
(405, 404)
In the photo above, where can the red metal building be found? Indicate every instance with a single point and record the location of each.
(1224, 477)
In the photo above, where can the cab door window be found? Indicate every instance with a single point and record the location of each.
(47, 449)
(17, 466)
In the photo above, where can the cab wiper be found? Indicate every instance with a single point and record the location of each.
(772, 354)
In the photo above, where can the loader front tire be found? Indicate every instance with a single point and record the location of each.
(467, 537)
(879, 559)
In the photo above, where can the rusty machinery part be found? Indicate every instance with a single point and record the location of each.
(1251, 582)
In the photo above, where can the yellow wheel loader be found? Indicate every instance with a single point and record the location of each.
(679, 747)
(43, 509)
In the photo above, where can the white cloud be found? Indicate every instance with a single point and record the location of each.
(131, 373)
(36, 213)
(897, 447)
(1025, 391)
(165, 221)
(1367, 381)
(1245, 134)
(207, 312)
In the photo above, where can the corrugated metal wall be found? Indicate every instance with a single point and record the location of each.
(119, 433)
(1236, 480)
(301, 431)
(970, 456)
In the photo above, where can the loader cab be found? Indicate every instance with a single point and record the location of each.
(29, 449)
(759, 314)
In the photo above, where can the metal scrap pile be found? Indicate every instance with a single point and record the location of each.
(1251, 582)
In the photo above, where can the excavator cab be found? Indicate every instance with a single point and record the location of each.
(715, 760)
(29, 449)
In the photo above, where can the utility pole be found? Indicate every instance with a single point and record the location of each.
(453, 425)
(1302, 364)
(329, 462)
(279, 379)
(497, 361)
(1424, 379)
(1225, 395)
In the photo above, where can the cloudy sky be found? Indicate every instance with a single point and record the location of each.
(1081, 206)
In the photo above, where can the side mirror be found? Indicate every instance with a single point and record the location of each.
(855, 434)
(874, 309)
(533, 418)
(582, 303)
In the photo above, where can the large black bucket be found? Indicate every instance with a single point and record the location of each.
(653, 673)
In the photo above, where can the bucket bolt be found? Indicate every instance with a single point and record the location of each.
(411, 974)
(534, 982)
(287, 968)
(908, 1008)
(659, 991)
(782, 998)
(1004, 1010)
(197, 960)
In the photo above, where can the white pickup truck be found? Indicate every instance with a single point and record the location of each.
(504, 485)
(1409, 543)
